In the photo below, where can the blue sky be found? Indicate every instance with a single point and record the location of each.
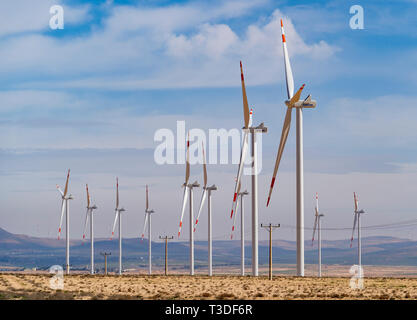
(90, 98)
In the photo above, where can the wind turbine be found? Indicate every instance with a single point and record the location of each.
(253, 130)
(242, 229)
(357, 216)
(148, 219)
(65, 207)
(294, 102)
(188, 187)
(89, 213)
(203, 198)
(118, 216)
(317, 224)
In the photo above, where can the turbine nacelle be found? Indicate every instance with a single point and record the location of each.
(306, 103)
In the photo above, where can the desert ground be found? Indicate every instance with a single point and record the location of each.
(138, 286)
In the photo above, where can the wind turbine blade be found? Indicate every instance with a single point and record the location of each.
(203, 198)
(353, 229)
(317, 204)
(184, 202)
(204, 166)
(187, 163)
(240, 170)
(245, 99)
(66, 183)
(284, 136)
(60, 190)
(314, 229)
(144, 225)
(288, 72)
(62, 217)
(234, 217)
(85, 224)
(147, 198)
(297, 96)
(250, 118)
(117, 193)
(114, 224)
(88, 196)
(355, 199)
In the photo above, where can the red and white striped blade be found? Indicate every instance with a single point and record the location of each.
(66, 183)
(85, 224)
(62, 218)
(203, 198)
(284, 136)
(144, 225)
(184, 202)
(114, 224)
(240, 170)
(297, 96)
(250, 118)
(245, 99)
(317, 204)
(234, 217)
(288, 72)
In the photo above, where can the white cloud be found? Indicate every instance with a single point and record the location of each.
(19, 16)
(175, 46)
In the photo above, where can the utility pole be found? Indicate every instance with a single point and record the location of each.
(254, 130)
(105, 254)
(166, 238)
(270, 227)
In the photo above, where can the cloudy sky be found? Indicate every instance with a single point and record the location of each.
(90, 97)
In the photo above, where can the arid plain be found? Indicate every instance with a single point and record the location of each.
(139, 286)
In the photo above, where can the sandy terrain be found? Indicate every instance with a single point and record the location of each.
(36, 286)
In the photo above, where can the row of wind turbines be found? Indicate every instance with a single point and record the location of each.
(292, 102)
(89, 219)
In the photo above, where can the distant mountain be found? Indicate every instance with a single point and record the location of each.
(28, 252)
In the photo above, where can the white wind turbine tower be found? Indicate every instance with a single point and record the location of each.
(188, 187)
(294, 102)
(207, 190)
(148, 220)
(118, 216)
(317, 225)
(88, 214)
(65, 207)
(356, 219)
(253, 130)
(242, 228)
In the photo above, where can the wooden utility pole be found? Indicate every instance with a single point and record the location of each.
(105, 254)
(270, 227)
(166, 238)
